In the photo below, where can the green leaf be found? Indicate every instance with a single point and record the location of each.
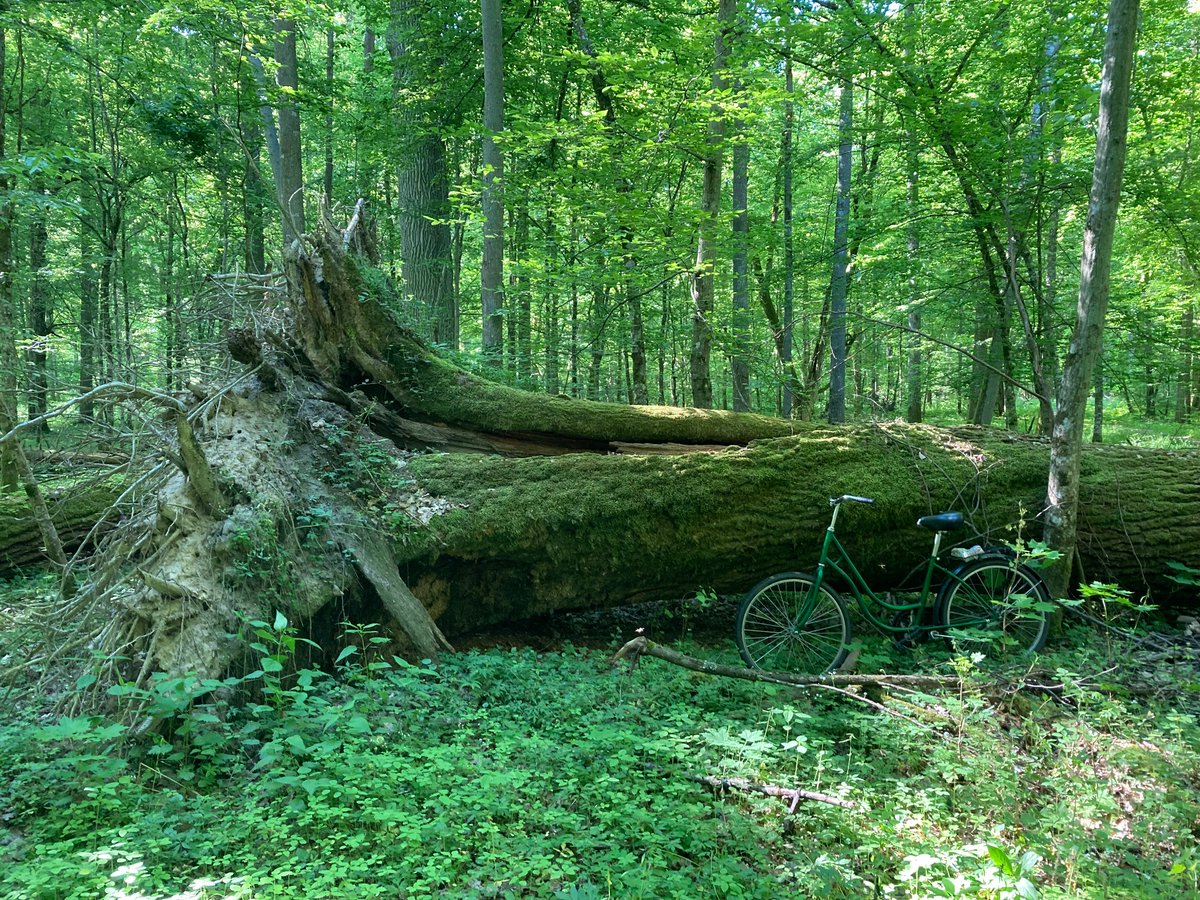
(281, 622)
(1000, 858)
(270, 664)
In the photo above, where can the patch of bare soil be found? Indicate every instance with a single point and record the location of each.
(704, 619)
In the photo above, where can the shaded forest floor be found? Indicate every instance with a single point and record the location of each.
(508, 772)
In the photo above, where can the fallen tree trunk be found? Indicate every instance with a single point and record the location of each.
(546, 503)
(532, 535)
(74, 509)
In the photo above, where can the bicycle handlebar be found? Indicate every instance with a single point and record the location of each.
(834, 501)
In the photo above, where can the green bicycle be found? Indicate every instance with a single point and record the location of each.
(798, 622)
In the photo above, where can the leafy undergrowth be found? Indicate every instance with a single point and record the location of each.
(515, 774)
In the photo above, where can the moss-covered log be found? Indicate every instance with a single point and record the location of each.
(355, 344)
(75, 510)
(532, 535)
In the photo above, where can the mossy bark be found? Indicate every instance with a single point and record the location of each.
(533, 535)
(352, 343)
(74, 511)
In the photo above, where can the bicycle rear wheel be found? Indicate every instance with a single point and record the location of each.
(783, 626)
(998, 602)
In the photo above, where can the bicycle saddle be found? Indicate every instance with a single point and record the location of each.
(948, 521)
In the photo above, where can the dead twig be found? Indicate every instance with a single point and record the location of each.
(795, 795)
(642, 646)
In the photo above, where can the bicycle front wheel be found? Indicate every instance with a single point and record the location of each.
(786, 624)
(998, 602)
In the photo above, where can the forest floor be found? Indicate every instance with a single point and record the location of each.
(534, 768)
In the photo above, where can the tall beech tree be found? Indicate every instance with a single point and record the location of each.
(838, 282)
(703, 274)
(1063, 488)
(491, 278)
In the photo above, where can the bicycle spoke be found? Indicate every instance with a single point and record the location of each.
(996, 598)
(785, 624)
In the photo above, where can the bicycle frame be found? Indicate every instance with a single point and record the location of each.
(835, 558)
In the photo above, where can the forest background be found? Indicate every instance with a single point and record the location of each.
(668, 223)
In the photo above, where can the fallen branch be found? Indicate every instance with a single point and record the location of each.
(795, 795)
(642, 646)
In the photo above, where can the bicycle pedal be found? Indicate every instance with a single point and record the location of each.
(911, 640)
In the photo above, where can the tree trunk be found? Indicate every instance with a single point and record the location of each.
(1183, 380)
(422, 187)
(88, 313)
(710, 207)
(290, 183)
(912, 371)
(838, 281)
(1063, 488)
(40, 321)
(740, 363)
(254, 193)
(330, 87)
(9, 361)
(789, 250)
(492, 268)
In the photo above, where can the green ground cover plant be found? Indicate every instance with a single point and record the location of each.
(510, 773)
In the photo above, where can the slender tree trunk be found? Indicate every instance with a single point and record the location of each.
(598, 329)
(912, 380)
(87, 313)
(330, 87)
(290, 185)
(169, 290)
(573, 378)
(789, 250)
(9, 362)
(492, 269)
(710, 203)
(524, 301)
(1183, 381)
(637, 331)
(1047, 310)
(40, 321)
(1067, 438)
(838, 281)
(1098, 404)
(271, 134)
(740, 363)
(254, 192)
